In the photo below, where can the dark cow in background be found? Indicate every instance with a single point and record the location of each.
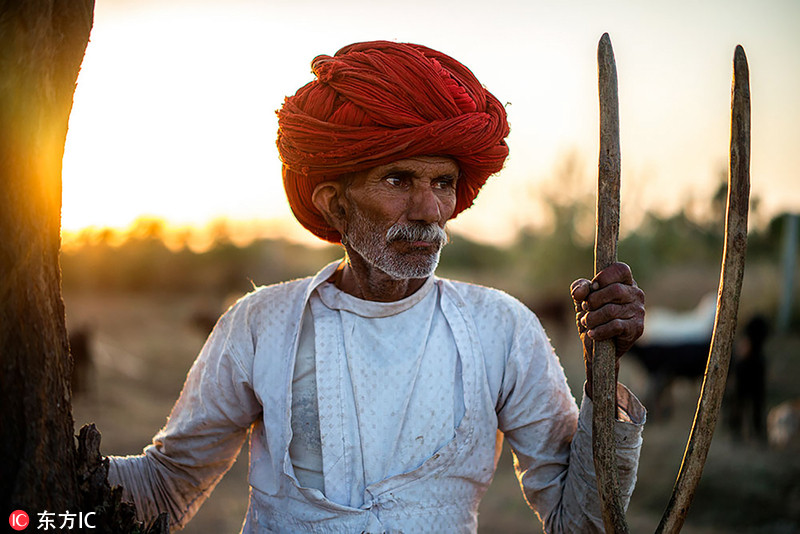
(208, 312)
(664, 364)
(80, 347)
(747, 381)
(674, 345)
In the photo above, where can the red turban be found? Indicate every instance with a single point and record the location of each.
(377, 102)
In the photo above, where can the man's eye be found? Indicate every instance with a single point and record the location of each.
(444, 183)
(396, 181)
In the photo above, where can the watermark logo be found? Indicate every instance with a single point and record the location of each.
(19, 520)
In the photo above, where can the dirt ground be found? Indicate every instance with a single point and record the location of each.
(144, 345)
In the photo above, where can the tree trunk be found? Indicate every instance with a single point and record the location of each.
(42, 43)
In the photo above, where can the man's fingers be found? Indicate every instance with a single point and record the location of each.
(579, 315)
(611, 306)
(580, 289)
(614, 273)
(606, 314)
(613, 294)
(624, 331)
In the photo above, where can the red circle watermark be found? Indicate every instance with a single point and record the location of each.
(18, 520)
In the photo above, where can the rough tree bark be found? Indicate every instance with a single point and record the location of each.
(42, 43)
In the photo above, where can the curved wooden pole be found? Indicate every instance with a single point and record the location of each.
(603, 363)
(727, 302)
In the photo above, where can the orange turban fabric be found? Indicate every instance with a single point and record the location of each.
(377, 102)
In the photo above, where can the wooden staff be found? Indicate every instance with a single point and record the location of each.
(727, 302)
(605, 253)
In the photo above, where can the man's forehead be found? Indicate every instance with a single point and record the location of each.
(421, 165)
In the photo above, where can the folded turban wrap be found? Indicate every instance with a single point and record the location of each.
(377, 102)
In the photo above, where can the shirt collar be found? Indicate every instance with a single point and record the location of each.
(336, 299)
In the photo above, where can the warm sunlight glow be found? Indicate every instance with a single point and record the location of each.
(194, 237)
(171, 127)
(174, 110)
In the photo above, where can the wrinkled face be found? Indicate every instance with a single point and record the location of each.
(398, 212)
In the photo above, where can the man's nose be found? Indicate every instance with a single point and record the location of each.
(424, 205)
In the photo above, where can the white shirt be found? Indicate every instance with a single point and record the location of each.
(386, 375)
(400, 375)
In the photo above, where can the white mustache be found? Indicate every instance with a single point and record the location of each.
(432, 233)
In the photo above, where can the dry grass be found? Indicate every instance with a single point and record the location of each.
(145, 344)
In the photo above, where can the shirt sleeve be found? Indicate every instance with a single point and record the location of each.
(551, 439)
(203, 435)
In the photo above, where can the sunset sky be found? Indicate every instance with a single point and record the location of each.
(174, 112)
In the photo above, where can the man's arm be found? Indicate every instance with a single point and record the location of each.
(580, 509)
(202, 437)
(551, 439)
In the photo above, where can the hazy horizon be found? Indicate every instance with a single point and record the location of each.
(174, 109)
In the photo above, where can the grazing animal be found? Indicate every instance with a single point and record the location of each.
(206, 315)
(748, 380)
(674, 345)
(664, 363)
(204, 321)
(81, 350)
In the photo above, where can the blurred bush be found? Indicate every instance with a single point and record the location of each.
(675, 258)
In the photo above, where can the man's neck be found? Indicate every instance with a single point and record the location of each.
(362, 280)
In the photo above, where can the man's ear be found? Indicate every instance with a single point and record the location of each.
(329, 199)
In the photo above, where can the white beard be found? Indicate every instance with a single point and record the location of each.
(366, 238)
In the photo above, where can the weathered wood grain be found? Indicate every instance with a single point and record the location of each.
(604, 381)
(730, 287)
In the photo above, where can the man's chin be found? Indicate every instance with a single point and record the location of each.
(411, 265)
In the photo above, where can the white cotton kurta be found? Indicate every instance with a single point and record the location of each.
(400, 381)
(377, 417)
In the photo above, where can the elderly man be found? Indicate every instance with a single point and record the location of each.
(375, 393)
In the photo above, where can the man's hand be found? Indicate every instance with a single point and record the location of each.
(611, 306)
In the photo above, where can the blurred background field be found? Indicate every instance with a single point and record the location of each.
(147, 300)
